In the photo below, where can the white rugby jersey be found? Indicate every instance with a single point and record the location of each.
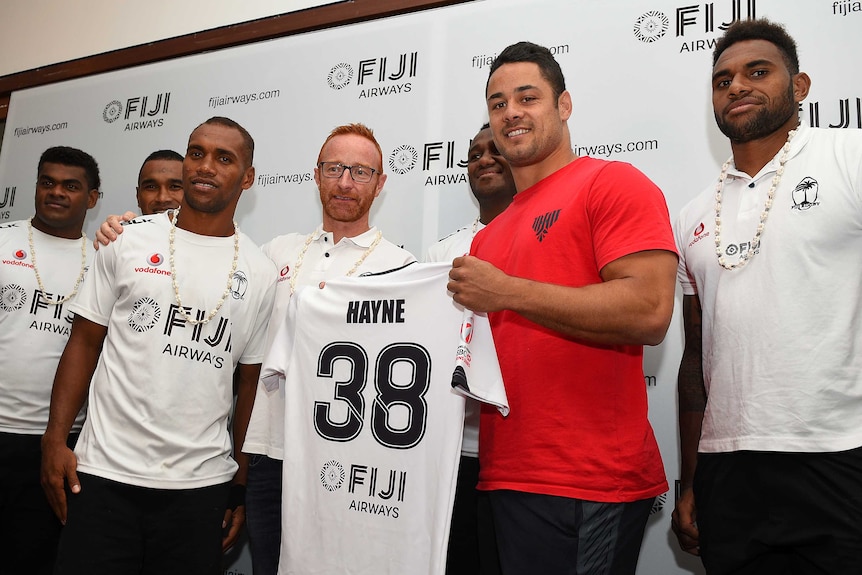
(372, 424)
(323, 259)
(33, 333)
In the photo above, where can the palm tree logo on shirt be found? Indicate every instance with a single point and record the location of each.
(805, 194)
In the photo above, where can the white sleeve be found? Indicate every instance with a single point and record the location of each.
(277, 358)
(98, 293)
(477, 370)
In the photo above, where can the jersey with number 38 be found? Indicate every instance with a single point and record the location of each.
(372, 424)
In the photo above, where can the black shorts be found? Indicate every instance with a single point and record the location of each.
(768, 512)
(550, 535)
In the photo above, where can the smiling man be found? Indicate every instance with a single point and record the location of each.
(349, 177)
(577, 274)
(43, 262)
(168, 313)
(160, 182)
(770, 382)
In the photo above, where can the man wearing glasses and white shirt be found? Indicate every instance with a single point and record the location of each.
(349, 176)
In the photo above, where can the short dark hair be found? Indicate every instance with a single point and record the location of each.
(539, 55)
(160, 155)
(66, 156)
(761, 29)
(485, 126)
(248, 141)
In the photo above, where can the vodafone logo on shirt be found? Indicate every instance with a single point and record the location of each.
(698, 234)
(20, 255)
(153, 261)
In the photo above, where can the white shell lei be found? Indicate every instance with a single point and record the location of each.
(349, 273)
(176, 284)
(48, 300)
(770, 196)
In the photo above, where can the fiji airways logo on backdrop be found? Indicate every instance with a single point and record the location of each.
(444, 162)
(847, 113)
(138, 112)
(374, 77)
(708, 19)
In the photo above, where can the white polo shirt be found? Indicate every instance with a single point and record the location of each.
(782, 336)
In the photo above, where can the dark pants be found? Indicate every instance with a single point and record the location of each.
(472, 542)
(118, 529)
(263, 513)
(558, 535)
(770, 513)
(29, 530)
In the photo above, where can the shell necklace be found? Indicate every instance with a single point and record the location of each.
(349, 273)
(770, 196)
(78, 281)
(176, 284)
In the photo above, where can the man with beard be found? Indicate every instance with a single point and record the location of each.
(577, 275)
(770, 382)
(349, 177)
(472, 544)
(167, 314)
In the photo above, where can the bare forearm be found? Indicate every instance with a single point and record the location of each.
(615, 312)
(72, 380)
(247, 376)
(691, 389)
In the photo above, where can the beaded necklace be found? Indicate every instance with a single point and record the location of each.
(176, 284)
(770, 196)
(349, 273)
(48, 300)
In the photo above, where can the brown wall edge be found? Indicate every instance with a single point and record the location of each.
(329, 16)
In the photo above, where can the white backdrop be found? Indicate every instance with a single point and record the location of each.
(639, 75)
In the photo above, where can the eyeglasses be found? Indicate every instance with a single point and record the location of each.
(360, 174)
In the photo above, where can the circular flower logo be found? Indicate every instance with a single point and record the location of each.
(403, 159)
(340, 76)
(112, 112)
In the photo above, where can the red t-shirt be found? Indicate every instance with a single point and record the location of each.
(578, 425)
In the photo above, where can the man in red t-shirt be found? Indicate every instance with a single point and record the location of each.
(577, 275)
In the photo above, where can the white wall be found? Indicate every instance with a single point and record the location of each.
(36, 33)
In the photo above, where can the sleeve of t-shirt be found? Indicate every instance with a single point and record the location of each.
(277, 357)
(256, 347)
(628, 214)
(683, 277)
(98, 292)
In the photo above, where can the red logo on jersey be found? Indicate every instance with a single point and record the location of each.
(20, 255)
(467, 331)
(155, 260)
(284, 271)
(698, 234)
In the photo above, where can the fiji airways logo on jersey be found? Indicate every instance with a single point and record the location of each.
(373, 490)
(207, 343)
(47, 316)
